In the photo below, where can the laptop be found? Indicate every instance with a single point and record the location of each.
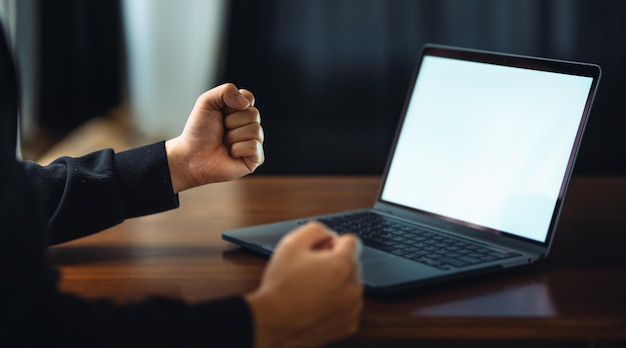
(477, 172)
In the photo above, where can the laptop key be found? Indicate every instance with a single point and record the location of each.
(452, 261)
(409, 242)
(469, 259)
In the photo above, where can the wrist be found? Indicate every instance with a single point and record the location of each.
(177, 166)
(269, 326)
(259, 318)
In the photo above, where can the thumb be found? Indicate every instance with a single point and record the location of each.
(348, 244)
(234, 99)
(246, 93)
(226, 98)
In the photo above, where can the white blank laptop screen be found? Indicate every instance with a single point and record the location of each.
(487, 144)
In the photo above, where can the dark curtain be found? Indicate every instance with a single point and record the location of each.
(331, 75)
(80, 61)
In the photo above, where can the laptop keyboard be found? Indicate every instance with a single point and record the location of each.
(413, 243)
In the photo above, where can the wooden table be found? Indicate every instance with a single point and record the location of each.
(574, 298)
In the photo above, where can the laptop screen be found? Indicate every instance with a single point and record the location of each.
(487, 144)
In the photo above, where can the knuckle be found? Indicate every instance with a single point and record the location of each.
(253, 114)
(204, 97)
(229, 85)
(255, 128)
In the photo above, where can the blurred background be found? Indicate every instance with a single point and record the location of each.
(330, 76)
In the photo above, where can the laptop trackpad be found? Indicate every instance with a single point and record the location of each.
(382, 269)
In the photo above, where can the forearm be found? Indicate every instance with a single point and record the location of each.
(85, 195)
(36, 314)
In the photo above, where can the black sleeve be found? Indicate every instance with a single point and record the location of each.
(33, 312)
(85, 195)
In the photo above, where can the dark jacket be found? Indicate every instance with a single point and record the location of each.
(74, 197)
